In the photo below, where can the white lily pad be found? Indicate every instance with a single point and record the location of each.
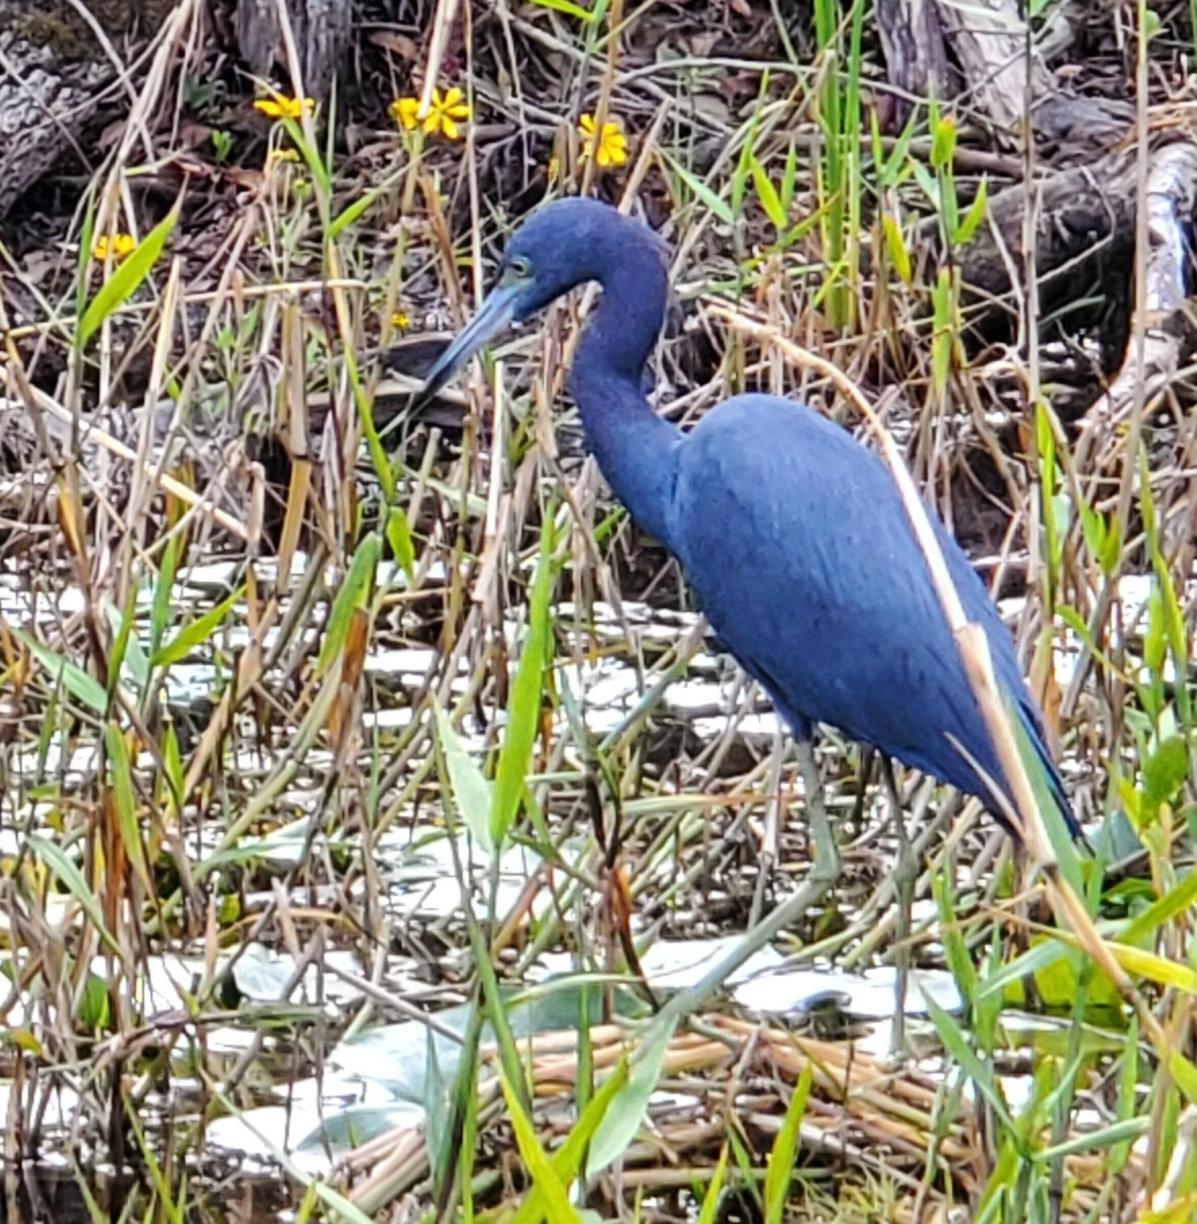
(863, 996)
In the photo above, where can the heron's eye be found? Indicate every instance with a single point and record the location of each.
(519, 268)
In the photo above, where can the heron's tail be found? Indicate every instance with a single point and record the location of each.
(1035, 733)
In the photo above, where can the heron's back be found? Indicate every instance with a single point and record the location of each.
(803, 559)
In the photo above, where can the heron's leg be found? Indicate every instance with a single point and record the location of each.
(774, 815)
(905, 874)
(826, 864)
(867, 755)
(813, 889)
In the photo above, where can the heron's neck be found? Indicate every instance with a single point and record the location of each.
(636, 449)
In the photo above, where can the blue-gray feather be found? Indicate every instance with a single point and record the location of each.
(801, 554)
(790, 531)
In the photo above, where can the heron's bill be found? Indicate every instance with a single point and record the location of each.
(494, 316)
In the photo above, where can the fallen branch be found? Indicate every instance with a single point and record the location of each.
(1169, 331)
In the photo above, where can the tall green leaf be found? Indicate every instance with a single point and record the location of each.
(354, 592)
(126, 278)
(472, 793)
(121, 775)
(781, 1160)
(627, 1111)
(544, 1177)
(523, 709)
(71, 676)
(567, 1160)
(194, 635)
(68, 874)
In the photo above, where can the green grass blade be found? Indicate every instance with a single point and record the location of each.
(523, 710)
(767, 194)
(400, 540)
(567, 1160)
(354, 593)
(710, 1200)
(781, 1159)
(121, 776)
(622, 1122)
(163, 589)
(126, 277)
(715, 204)
(955, 1042)
(570, 9)
(544, 1178)
(194, 635)
(353, 212)
(472, 793)
(68, 874)
(71, 676)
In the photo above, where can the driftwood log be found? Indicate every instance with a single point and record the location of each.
(1169, 334)
(977, 59)
(52, 71)
(319, 31)
(62, 66)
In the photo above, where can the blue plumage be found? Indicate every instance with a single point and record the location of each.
(791, 533)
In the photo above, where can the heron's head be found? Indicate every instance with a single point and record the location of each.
(563, 244)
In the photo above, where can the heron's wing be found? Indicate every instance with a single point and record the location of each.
(803, 559)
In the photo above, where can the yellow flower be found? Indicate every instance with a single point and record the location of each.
(400, 320)
(445, 112)
(406, 113)
(280, 107)
(284, 155)
(120, 246)
(608, 148)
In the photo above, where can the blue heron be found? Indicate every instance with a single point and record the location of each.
(790, 532)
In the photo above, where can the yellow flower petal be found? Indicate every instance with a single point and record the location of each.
(449, 128)
(587, 125)
(405, 112)
(453, 97)
(279, 107)
(118, 247)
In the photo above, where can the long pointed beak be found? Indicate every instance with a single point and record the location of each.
(492, 318)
